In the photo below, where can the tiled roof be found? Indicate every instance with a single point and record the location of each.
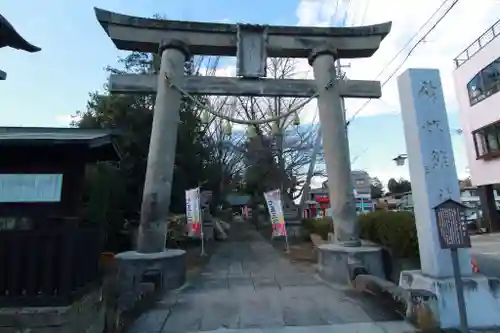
(98, 141)
(50, 134)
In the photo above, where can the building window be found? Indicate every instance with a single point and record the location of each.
(480, 143)
(475, 89)
(491, 77)
(487, 141)
(492, 139)
(470, 193)
(485, 83)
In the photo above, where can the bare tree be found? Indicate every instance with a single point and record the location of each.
(226, 147)
(290, 143)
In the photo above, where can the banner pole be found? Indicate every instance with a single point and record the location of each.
(286, 238)
(202, 234)
(282, 202)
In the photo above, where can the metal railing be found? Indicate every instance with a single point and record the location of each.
(478, 44)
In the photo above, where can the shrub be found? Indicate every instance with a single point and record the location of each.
(321, 226)
(394, 230)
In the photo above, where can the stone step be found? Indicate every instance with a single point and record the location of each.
(370, 327)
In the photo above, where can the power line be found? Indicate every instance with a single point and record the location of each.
(336, 9)
(411, 39)
(364, 12)
(422, 39)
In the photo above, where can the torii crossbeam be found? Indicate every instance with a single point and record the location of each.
(231, 86)
(251, 44)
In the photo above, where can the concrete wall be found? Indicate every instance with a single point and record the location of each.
(478, 115)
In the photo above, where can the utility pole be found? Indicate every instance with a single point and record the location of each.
(310, 172)
(279, 137)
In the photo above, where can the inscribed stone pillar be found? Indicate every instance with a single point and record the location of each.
(161, 157)
(432, 165)
(336, 148)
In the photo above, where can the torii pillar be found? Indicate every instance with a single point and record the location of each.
(251, 45)
(161, 158)
(336, 148)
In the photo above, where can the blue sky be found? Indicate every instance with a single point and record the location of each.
(43, 89)
(46, 86)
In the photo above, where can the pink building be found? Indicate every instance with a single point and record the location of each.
(477, 85)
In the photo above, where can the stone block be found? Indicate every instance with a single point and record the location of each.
(85, 315)
(127, 300)
(337, 263)
(134, 268)
(147, 288)
(481, 293)
(415, 304)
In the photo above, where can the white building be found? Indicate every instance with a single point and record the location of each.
(318, 203)
(477, 85)
(469, 196)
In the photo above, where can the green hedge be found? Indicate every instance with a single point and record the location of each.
(320, 226)
(394, 230)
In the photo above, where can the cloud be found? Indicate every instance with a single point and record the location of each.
(64, 119)
(452, 36)
(228, 70)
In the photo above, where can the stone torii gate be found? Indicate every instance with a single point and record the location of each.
(176, 41)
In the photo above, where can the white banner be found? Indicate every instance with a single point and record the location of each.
(275, 208)
(193, 212)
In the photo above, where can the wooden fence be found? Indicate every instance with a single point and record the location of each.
(47, 267)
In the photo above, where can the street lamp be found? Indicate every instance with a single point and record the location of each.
(400, 159)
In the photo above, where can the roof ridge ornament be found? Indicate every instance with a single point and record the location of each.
(9, 37)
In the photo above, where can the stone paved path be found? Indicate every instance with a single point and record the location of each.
(248, 285)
